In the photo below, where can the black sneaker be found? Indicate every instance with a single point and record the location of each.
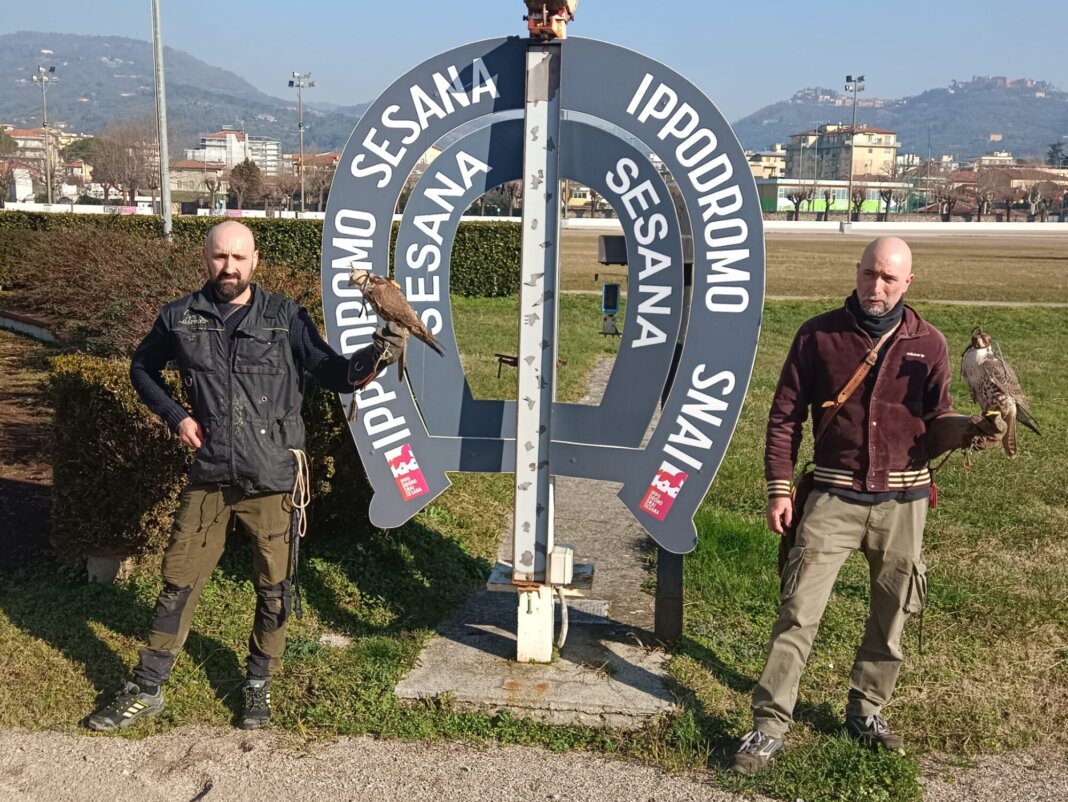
(129, 706)
(756, 752)
(874, 732)
(257, 711)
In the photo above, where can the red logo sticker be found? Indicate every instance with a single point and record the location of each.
(663, 491)
(406, 472)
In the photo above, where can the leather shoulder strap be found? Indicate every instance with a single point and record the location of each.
(851, 386)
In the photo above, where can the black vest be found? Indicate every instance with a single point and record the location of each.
(246, 392)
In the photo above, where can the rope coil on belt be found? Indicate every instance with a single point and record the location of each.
(298, 522)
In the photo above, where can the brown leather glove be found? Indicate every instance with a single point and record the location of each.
(951, 432)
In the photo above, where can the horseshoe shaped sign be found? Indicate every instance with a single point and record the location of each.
(619, 107)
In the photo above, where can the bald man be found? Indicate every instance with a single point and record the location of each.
(242, 353)
(872, 485)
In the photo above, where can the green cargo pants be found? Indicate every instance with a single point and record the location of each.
(890, 535)
(197, 540)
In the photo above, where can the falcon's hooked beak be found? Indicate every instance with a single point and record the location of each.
(359, 277)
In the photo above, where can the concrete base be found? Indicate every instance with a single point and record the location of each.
(605, 676)
(107, 570)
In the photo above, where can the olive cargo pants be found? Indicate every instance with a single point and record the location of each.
(196, 544)
(890, 535)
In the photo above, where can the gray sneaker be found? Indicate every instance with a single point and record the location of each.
(128, 707)
(756, 751)
(874, 732)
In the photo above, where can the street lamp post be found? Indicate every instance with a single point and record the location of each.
(44, 77)
(853, 86)
(300, 81)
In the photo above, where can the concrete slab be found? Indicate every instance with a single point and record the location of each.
(607, 674)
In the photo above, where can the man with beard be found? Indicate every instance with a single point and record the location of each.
(242, 353)
(875, 377)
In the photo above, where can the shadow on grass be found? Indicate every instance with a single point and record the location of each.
(384, 582)
(66, 612)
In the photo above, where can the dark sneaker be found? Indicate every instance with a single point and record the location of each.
(756, 752)
(129, 706)
(257, 711)
(874, 732)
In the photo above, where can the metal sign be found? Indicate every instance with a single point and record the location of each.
(411, 433)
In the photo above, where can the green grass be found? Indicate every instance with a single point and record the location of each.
(994, 674)
(963, 269)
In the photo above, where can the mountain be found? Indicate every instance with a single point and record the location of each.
(967, 119)
(104, 79)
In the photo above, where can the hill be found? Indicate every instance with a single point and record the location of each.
(967, 118)
(109, 78)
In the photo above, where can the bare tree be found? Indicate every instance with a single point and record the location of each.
(1041, 198)
(317, 180)
(211, 184)
(986, 192)
(126, 158)
(1008, 195)
(287, 184)
(246, 183)
(7, 181)
(860, 194)
(828, 200)
(513, 190)
(797, 196)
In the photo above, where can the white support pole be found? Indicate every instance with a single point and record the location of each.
(539, 291)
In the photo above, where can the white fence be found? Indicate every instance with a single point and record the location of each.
(610, 224)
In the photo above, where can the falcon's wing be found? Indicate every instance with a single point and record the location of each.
(999, 372)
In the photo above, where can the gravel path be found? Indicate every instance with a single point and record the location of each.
(196, 764)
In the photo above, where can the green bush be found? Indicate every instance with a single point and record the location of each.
(118, 471)
(485, 259)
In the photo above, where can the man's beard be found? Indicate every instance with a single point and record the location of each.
(228, 290)
(875, 310)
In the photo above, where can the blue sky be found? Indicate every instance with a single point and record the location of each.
(744, 55)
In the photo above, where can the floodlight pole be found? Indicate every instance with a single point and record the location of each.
(299, 81)
(539, 290)
(854, 87)
(161, 125)
(44, 77)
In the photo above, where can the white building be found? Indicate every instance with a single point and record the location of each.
(231, 147)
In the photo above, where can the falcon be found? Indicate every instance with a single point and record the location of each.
(387, 299)
(995, 388)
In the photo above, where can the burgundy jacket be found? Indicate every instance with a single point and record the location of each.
(876, 443)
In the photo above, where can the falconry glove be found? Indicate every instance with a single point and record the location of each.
(390, 343)
(974, 432)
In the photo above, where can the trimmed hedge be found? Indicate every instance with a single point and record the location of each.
(118, 471)
(485, 258)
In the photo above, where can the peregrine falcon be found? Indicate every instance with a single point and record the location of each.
(388, 301)
(995, 388)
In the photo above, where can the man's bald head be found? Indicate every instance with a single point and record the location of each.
(231, 257)
(884, 273)
(229, 229)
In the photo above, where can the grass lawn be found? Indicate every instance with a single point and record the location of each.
(994, 673)
(961, 268)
